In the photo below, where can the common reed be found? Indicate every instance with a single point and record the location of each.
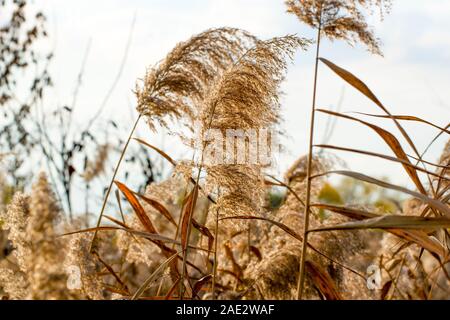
(245, 97)
(174, 88)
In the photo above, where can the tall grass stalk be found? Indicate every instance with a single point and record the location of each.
(301, 277)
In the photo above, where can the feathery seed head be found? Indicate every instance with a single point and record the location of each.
(340, 19)
(174, 88)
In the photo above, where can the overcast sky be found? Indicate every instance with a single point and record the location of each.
(412, 78)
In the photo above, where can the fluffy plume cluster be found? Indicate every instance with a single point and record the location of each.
(36, 268)
(340, 19)
(246, 97)
(175, 87)
(30, 223)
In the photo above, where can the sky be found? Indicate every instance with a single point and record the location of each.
(412, 78)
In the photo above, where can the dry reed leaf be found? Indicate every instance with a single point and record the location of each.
(278, 224)
(405, 118)
(159, 207)
(205, 231)
(438, 205)
(199, 284)
(385, 290)
(392, 142)
(120, 223)
(391, 222)
(364, 89)
(172, 289)
(113, 273)
(256, 252)
(187, 216)
(162, 153)
(154, 237)
(322, 281)
(419, 237)
(137, 207)
(379, 155)
(237, 269)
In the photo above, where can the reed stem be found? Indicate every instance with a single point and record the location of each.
(301, 278)
(116, 170)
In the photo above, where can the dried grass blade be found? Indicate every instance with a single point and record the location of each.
(189, 208)
(391, 222)
(392, 142)
(351, 213)
(112, 272)
(385, 290)
(199, 285)
(256, 252)
(278, 224)
(158, 206)
(405, 118)
(172, 289)
(93, 229)
(438, 205)
(322, 280)
(379, 155)
(364, 89)
(162, 153)
(205, 231)
(120, 223)
(417, 236)
(137, 207)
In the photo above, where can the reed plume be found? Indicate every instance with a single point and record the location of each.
(31, 222)
(340, 19)
(245, 97)
(176, 86)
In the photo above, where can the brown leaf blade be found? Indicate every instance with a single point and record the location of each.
(200, 284)
(364, 89)
(392, 222)
(159, 207)
(438, 205)
(276, 223)
(137, 207)
(322, 281)
(188, 211)
(162, 153)
(205, 231)
(406, 118)
(417, 236)
(393, 144)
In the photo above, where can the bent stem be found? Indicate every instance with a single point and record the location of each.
(116, 170)
(215, 257)
(301, 278)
